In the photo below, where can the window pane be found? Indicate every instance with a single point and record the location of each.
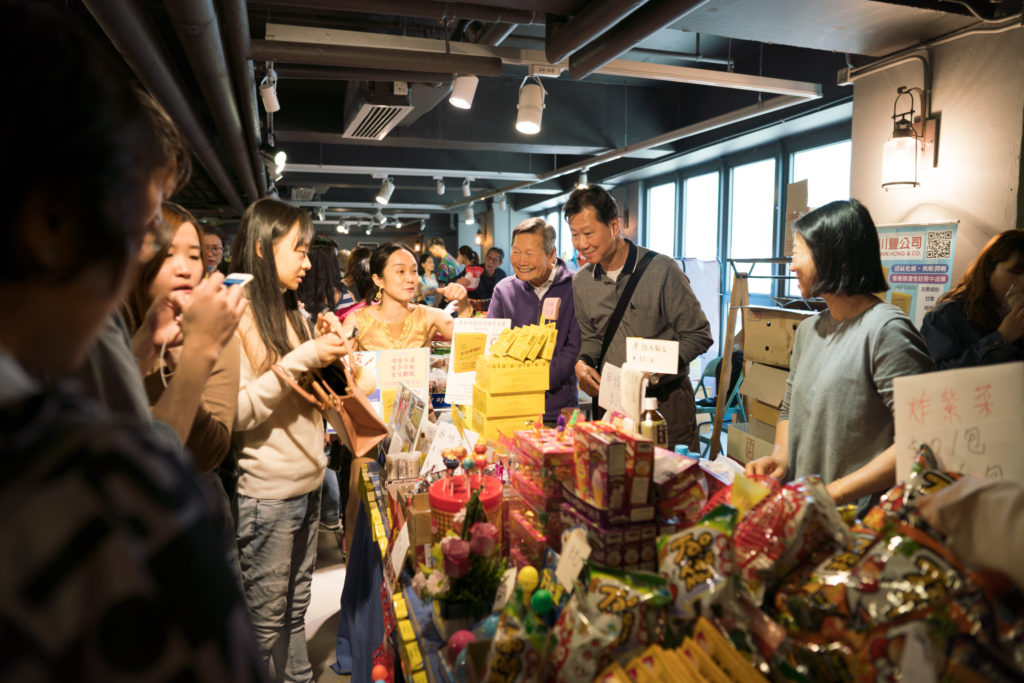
(827, 172)
(661, 219)
(751, 226)
(700, 216)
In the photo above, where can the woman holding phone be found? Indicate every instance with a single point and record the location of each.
(279, 435)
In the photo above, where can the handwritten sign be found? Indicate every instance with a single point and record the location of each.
(549, 309)
(653, 355)
(971, 419)
(634, 387)
(446, 435)
(462, 374)
(610, 395)
(400, 549)
(575, 552)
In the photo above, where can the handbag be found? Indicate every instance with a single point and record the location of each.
(349, 412)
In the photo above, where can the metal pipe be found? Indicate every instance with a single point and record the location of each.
(195, 22)
(650, 18)
(236, 27)
(370, 58)
(422, 9)
(134, 37)
(496, 33)
(314, 73)
(651, 52)
(585, 26)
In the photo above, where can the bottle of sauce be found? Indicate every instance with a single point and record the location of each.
(652, 423)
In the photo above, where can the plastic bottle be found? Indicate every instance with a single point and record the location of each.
(652, 423)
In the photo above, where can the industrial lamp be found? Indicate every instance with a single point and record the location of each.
(530, 107)
(467, 188)
(470, 217)
(268, 90)
(387, 186)
(463, 91)
(582, 183)
(900, 153)
(440, 184)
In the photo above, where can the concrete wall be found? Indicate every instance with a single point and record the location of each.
(978, 92)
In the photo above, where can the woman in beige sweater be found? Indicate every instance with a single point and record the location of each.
(279, 436)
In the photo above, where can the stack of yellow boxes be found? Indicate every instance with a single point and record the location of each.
(511, 380)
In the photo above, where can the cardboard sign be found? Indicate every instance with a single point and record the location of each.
(971, 419)
(653, 355)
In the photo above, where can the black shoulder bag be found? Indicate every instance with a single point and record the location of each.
(620, 307)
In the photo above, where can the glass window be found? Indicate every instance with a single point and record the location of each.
(564, 240)
(700, 216)
(751, 225)
(661, 219)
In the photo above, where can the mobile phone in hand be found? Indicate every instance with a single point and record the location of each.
(237, 279)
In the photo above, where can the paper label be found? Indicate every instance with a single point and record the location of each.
(401, 548)
(653, 355)
(575, 552)
(506, 589)
(549, 310)
(461, 375)
(609, 396)
(445, 436)
(634, 387)
(466, 348)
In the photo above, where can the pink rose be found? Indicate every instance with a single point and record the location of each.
(456, 556)
(483, 539)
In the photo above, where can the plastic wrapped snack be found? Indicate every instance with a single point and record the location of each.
(698, 562)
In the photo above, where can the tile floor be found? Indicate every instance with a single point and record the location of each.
(322, 615)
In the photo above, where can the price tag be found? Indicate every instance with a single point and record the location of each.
(653, 355)
(550, 308)
(506, 589)
(400, 550)
(575, 552)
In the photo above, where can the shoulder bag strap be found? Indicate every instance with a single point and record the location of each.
(620, 307)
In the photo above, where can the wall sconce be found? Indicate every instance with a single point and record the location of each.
(479, 238)
(900, 153)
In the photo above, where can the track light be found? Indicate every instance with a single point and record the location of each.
(398, 222)
(379, 217)
(274, 158)
(530, 107)
(340, 228)
(321, 213)
(440, 184)
(387, 186)
(467, 190)
(479, 238)
(423, 226)
(272, 191)
(462, 91)
(470, 217)
(369, 230)
(582, 183)
(268, 90)
(502, 202)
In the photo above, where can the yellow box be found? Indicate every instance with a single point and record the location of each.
(507, 405)
(420, 677)
(489, 428)
(401, 610)
(506, 376)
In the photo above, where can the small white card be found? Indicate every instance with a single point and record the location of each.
(400, 549)
(610, 395)
(506, 589)
(653, 355)
(575, 552)
(634, 387)
(446, 435)
(549, 311)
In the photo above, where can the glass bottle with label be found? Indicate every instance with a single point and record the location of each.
(652, 423)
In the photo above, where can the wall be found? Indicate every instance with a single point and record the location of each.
(978, 91)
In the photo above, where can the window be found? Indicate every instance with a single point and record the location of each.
(661, 219)
(563, 243)
(700, 216)
(751, 217)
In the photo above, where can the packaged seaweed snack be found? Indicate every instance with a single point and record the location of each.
(699, 562)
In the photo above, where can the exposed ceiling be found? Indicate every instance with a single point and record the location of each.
(633, 83)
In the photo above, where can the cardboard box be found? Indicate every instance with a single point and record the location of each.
(768, 333)
(971, 419)
(765, 386)
(507, 405)
(491, 427)
(506, 376)
(750, 441)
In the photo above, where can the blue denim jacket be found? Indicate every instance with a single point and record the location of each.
(956, 342)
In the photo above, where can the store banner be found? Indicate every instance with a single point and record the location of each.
(918, 263)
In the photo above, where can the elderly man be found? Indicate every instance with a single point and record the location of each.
(662, 307)
(492, 274)
(542, 280)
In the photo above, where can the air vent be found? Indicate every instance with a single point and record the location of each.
(303, 194)
(373, 109)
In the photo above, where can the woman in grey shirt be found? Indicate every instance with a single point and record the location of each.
(836, 419)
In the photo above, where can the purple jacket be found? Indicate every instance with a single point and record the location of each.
(515, 299)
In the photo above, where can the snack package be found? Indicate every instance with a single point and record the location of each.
(609, 617)
(515, 655)
(699, 562)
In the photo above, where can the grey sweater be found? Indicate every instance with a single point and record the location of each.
(839, 397)
(662, 307)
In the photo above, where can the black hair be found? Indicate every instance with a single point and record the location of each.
(265, 222)
(423, 259)
(316, 291)
(82, 144)
(501, 252)
(844, 245)
(436, 242)
(595, 197)
(469, 253)
(362, 283)
(379, 259)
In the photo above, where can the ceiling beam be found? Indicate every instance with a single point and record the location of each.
(369, 57)
(376, 171)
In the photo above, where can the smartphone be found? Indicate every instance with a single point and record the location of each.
(237, 279)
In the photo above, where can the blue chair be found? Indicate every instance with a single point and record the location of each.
(733, 407)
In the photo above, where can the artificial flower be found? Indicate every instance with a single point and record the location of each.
(419, 583)
(456, 557)
(437, 584)
(483, 539)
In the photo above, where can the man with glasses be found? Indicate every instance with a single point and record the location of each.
(213, 249)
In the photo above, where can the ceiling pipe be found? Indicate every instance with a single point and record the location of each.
(422, 9)
(650, 18)
(236, 27)
(195, 22)
(370, 58)
(563, 39)
(735, 116)
(495, 34)
(133, 36)
(314, 73)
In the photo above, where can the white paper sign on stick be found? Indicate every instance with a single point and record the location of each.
(446, 435)
(400, 549)
(634, 386)
(610, 395)
(653, 355)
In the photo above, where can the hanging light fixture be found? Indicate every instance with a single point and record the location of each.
(387, 186)
(470, 217)
(398, 222)
(268, 90)
(582, 183)
(440, 184)
(379, 216)
(321, 213)
(467, 189)
(463, 90)
(901, 153)
(531, 106)
(479, 238)
(274, 158)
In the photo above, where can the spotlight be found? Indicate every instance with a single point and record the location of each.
(321, 213)
(530, 107)
(470, 217)
(582, 183)
(462, 91)
(380, 217)
(272, 191)
(368, 230)
(423, 226)
(268, 90)
(274, 158)
(340, 228)
(479, 238)
(440, 184)
(467, 190)
(502, 202)
(387, 186)
(398, 222)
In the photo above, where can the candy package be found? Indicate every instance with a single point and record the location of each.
(699, 562)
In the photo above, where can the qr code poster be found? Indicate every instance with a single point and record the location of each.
(918, 263)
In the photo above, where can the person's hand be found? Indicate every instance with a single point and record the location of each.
(770, 465)
(588, 377)
(1012, 327)
(160, 328)
(212, 314)
(453, 290)
(327, 323)
(329, 348)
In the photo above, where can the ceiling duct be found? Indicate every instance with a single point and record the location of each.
(373, 109)
(303, 194)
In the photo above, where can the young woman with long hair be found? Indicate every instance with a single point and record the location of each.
(279, 435)
(980, 321)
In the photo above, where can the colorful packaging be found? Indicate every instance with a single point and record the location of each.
(699, 562)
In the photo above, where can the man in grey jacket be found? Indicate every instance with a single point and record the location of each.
(662, 307)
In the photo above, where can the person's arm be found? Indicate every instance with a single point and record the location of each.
(210, 438)
(946, 331)
(777, 464)
(563, 363)
(684, 314)
(590, 342)
(878, 475)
